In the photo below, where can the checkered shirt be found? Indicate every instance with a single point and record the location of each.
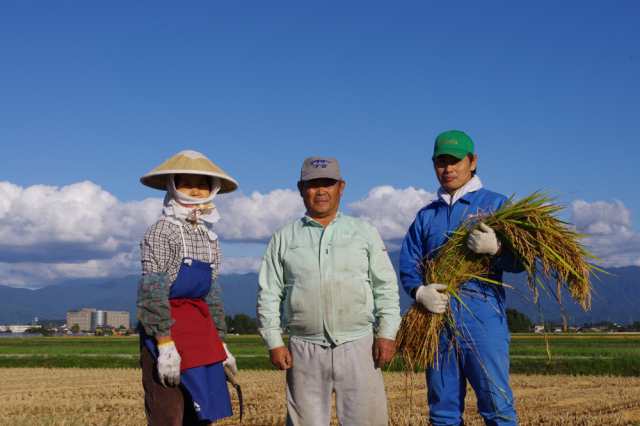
(161, 254)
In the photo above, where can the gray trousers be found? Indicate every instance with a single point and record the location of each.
(349, 371)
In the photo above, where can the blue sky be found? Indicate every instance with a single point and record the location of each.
(105, 91)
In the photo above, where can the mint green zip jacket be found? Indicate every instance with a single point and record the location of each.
(335, 284)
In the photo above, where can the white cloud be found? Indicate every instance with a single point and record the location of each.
(257, 216)
(37, 274)
(391, 210)
(49, 233)
(610, 233)
(240, 265)
(73, 223)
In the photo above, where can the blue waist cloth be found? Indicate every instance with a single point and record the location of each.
(205, 385)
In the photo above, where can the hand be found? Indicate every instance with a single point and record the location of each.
(281, 358)
(383, 351)
(483, 240)
(432, 299)
(230, 361)
(168, 364)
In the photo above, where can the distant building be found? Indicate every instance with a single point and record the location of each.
(88, 319)
(117, 319)
(17, 328)
(81, 318)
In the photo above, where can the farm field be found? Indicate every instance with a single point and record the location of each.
(37, 396)
(602, 354)
(583, 354)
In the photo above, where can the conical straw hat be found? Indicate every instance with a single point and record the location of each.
(188, 162)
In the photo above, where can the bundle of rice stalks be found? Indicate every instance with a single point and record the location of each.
(548, 248)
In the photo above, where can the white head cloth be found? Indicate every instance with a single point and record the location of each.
(203, 212)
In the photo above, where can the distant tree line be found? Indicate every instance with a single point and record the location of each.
(244, 324)
(241, 324)
(518, 322)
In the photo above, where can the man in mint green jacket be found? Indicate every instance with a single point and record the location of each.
(332, 276)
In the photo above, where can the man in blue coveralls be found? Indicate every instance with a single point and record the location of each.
(477, 350)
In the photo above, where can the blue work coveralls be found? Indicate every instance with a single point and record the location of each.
(477, 350)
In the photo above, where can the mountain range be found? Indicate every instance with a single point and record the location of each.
(615, 298)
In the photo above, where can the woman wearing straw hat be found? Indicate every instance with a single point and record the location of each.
(180, 311)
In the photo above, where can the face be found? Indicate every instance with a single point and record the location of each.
(454, 173)
(196, 186)
(321, 196)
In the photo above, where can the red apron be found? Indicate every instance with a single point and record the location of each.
(194, 334)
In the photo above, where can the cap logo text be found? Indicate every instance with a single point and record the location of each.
(320, 164)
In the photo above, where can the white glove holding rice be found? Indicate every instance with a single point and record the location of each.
(230, 361)
(169, 364)
(483, 240)
(432, 299)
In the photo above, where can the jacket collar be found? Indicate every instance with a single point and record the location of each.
(473, 185)
(307, 220)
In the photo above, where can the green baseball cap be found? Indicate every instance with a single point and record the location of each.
(453, 142)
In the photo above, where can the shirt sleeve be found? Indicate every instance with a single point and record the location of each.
(411, 257)
(384, 284)
(216, 308)
(153, 309)
(270, 295)
(214, 297)
(156, 249)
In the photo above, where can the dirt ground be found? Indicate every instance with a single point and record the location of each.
(114, 397)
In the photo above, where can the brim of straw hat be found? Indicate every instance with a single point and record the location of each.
(188, 164)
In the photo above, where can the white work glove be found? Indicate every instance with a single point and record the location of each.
(483, 240)
(430, 297)
(230, 361)
(169, 364)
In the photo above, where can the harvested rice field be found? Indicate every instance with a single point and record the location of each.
(33, 396)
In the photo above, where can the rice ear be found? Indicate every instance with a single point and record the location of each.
(547, 247)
